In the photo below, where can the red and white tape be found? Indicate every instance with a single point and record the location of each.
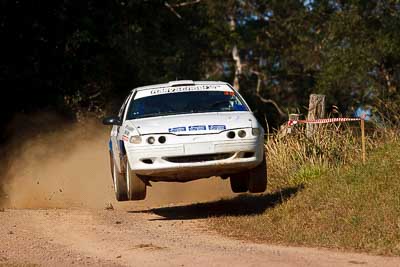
(322, 121)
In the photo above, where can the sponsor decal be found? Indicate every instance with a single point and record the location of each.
(182, 89)
(168, 90)
(125, 138)
(197, 128)
(127, 132)
(177, 129)
(216, 127)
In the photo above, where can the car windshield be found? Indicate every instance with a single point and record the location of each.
(184, 103)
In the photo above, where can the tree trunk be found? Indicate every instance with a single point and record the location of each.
(316, 110)
(236, 57)
(238, 67)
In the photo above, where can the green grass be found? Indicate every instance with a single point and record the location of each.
(350, 206)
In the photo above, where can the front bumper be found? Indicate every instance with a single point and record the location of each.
(193, 160)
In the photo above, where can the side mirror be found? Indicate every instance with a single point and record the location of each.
(112, 121)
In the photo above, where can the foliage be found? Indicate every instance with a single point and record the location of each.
(84, 56)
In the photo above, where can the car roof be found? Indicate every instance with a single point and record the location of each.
(178, 83)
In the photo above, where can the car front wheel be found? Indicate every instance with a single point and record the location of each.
(136, 186)
(119, 183)
(239, 182)
(258, 177)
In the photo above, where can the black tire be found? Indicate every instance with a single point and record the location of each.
(136, 187)
(258, 177)
(239, 182)
(119, 182)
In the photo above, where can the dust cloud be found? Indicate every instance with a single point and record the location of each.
(68, 166)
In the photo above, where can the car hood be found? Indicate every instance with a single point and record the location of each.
(202, 123)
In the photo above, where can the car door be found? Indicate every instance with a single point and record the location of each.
(117, 145)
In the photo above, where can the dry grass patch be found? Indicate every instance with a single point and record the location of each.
(340, 203)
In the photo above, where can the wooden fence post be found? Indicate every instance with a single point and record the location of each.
(292, 117)
(316, 110)
(363, 153)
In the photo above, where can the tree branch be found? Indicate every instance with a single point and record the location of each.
(173, 10)
(270, 101)
(172, 7)
(188, 3)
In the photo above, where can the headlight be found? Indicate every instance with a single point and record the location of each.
(255, 131)
(231, 134)
(135, 139)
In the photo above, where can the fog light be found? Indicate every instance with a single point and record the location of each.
(135, 139)
(242, 133)
(231, 134)
(151, 140)
(161, 139)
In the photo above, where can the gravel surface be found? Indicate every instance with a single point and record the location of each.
(124, 237)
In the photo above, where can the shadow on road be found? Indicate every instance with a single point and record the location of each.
(240, 205)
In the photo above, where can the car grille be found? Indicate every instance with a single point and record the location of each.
(199, 158)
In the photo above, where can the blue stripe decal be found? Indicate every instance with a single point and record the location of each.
(110, 145)
(216, 127)
(177, 129)
(197, 128)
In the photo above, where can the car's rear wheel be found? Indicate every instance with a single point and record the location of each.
(239, 182)
(120, 188)
(136, 186)
(258, 177)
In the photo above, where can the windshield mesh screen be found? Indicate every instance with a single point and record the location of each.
(183, 103)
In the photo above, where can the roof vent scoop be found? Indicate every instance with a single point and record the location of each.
(181, 83)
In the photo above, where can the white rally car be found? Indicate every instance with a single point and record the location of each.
(182, 131)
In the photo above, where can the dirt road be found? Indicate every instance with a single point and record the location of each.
(73, 176)
(140, 237)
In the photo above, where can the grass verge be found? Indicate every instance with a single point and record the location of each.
(351, 206)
